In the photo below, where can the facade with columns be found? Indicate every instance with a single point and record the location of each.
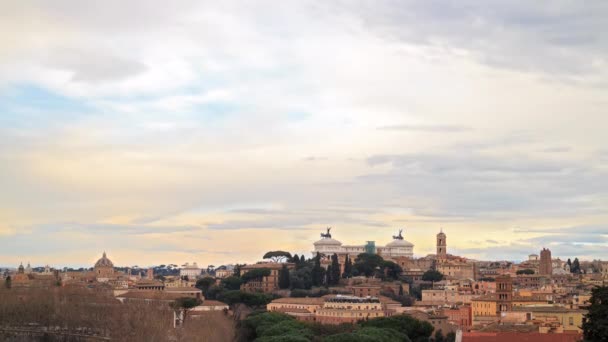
(397, 248)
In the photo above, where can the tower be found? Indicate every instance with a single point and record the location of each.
(504, 293)
(545, 267)
(442, 245)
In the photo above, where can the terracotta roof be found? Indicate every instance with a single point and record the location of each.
(303, 300)
(520, 337)
(293, 310)
(209, 302)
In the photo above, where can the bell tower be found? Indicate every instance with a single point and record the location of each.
(442, 245)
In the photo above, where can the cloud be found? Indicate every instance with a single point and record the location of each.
(425, 128)
(133, 124)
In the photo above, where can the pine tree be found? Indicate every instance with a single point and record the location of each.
(334, 270)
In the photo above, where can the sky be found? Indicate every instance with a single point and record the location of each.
(171, 132)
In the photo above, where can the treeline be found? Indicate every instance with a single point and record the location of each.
(96, 312)
(277, 327)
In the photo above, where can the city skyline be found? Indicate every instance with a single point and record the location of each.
(216, 132)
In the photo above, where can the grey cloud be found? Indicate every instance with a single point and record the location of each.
(478, 185)
(559, 39)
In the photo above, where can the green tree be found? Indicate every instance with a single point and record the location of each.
(8, 282)
(450, 337)
(367, 264)
(334, 270)
(183, 305)
(317, 271)
(284, 277)
(595, 328)
(415, 329)
(439, 336)
(369, 334)
(400, 290)
(255, 274)
(391, 270)
(204, 284)
(301, 278)
(277, 256)
(232, 283)
(432, 275)
(576, 266)
(348, 267)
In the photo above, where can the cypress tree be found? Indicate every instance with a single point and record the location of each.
(348, 267)
(335, 270)
(284, 277)
(318, 272)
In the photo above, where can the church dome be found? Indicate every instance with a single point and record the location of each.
(400, 243)
(328, 242)
(104, 261)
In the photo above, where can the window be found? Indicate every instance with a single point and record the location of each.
(571, 320)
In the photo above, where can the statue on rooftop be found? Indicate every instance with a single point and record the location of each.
(398, 237)
(326, 235)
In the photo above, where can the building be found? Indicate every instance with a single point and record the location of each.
(192, 271)
(445, 296)
(442, 245)
(303, 309)
(104, 268)
(397, 248)
(267, 283)
(545, 266)
(349, 309)
(558, 319)
(504, 293)
(224, 271)
(460, 316)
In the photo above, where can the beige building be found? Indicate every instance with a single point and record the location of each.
(349, 309)
(268, 283)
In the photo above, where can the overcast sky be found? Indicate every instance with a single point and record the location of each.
(167, 132)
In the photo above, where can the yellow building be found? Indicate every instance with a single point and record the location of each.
(568, 319)
(484, 306)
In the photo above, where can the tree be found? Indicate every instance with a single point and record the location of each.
(595, 328)
(256, 274)
(367, 264)
(526, 271)
(450, 337)
(183, 305)
(415, 329)
(432, 275)
(334, 273)
(284, 277)
(203, 284)
(400, 290)
(348, 267)
(317, 271)
(439, 336)
(391, 269)
(8, 282)
(576, 266)
(232, 283)
(277, 256)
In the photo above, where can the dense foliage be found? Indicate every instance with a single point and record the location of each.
(595, 328)
(432, 275)
(255, 274)
(273, 326)
(373, 265)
